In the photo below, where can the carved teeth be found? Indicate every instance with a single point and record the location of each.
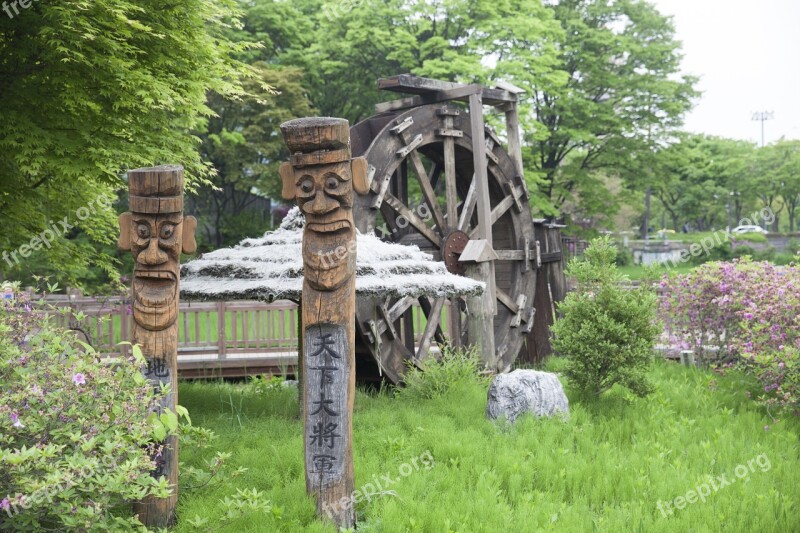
(322, 227)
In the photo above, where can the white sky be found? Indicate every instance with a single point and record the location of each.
(747, 54)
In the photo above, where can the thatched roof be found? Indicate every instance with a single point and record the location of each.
(271, 268)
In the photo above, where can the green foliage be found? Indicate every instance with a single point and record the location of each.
(92, 89)
(620, 90)
(75, 432)
(455, 367)
(244, 144)
(607, 332)
(538, 475)
(624, 256)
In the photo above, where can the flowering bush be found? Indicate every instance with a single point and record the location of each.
(743, 313)
(607, 332)
(74, 430)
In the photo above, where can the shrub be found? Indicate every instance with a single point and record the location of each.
(74, 430)
(743, 250)
(741, 313)
(606, 331)
(624, 256)
(456, 367)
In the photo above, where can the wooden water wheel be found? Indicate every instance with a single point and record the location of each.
(426, 191)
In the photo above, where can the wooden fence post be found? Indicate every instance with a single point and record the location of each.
(156, 232)
(321, 177)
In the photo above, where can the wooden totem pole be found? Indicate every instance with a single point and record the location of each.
(156, 232)
(321, 176)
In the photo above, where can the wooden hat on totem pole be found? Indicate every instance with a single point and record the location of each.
(156, 190)
(317, 140)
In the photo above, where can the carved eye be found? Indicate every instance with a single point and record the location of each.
(331, 183)
(143, 230)
(307, 185)
(167, 230)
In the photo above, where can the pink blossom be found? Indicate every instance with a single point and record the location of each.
(79, 379)
(15, 421)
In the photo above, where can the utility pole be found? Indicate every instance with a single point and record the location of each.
(763, 116)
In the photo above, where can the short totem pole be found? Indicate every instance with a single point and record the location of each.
(321, 176)
(156, 232)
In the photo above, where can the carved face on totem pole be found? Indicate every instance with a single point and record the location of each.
(321, 176)
(156, 232)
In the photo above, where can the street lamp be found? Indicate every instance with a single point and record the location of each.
(762, 116)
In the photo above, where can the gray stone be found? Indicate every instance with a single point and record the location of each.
(526, 391)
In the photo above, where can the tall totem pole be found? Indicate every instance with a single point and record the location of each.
(321, 176)
(156, 232)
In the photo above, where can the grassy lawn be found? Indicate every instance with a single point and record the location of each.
(605, 469)
(636, 272)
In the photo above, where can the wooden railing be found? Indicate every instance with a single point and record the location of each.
(208, 332)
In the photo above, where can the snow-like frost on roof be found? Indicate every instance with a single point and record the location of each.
(271, 268)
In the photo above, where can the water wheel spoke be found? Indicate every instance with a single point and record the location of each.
(431, 326)
(413, 219)
(505, 299)
(451, 190)
(436, 173)
(427, 191)
(400, 307)
(498, 211)
(469, 206)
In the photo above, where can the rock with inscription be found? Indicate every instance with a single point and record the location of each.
(526, 391)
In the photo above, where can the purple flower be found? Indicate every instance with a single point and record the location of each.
(748, 316)
(5, 504)
(15, 421)
(79, 379)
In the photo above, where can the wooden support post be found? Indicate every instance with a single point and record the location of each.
(156, 232)
(482, 335)
(321, 177)
(515, 142)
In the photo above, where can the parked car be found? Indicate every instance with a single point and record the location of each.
(748, 229)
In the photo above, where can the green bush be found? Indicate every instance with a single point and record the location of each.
(456, 367)
(624, 256)
(607, 332)
(743, 250)
(74, 430)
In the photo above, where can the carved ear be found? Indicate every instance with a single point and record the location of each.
(287, 175)
(360, 170)
(124, 242)
(188, 243)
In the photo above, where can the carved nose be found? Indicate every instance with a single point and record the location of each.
(153, 255)
(321, 204)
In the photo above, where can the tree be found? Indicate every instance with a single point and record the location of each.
(469, 41)
(623, 93)
(694, 179)
(776, 179)
(90, 90)
(244, 144)
(606, 331)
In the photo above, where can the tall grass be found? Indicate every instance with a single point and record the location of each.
(605, 469)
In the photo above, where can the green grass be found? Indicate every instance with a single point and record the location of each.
(605, 469)
(636, 272)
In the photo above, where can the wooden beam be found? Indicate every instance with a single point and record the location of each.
(430, 328)
(468, 207)
(462, 93)
(402, 210)
(410, 84)
(427, 190)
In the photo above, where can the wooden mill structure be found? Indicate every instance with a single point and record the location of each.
(442, 179)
